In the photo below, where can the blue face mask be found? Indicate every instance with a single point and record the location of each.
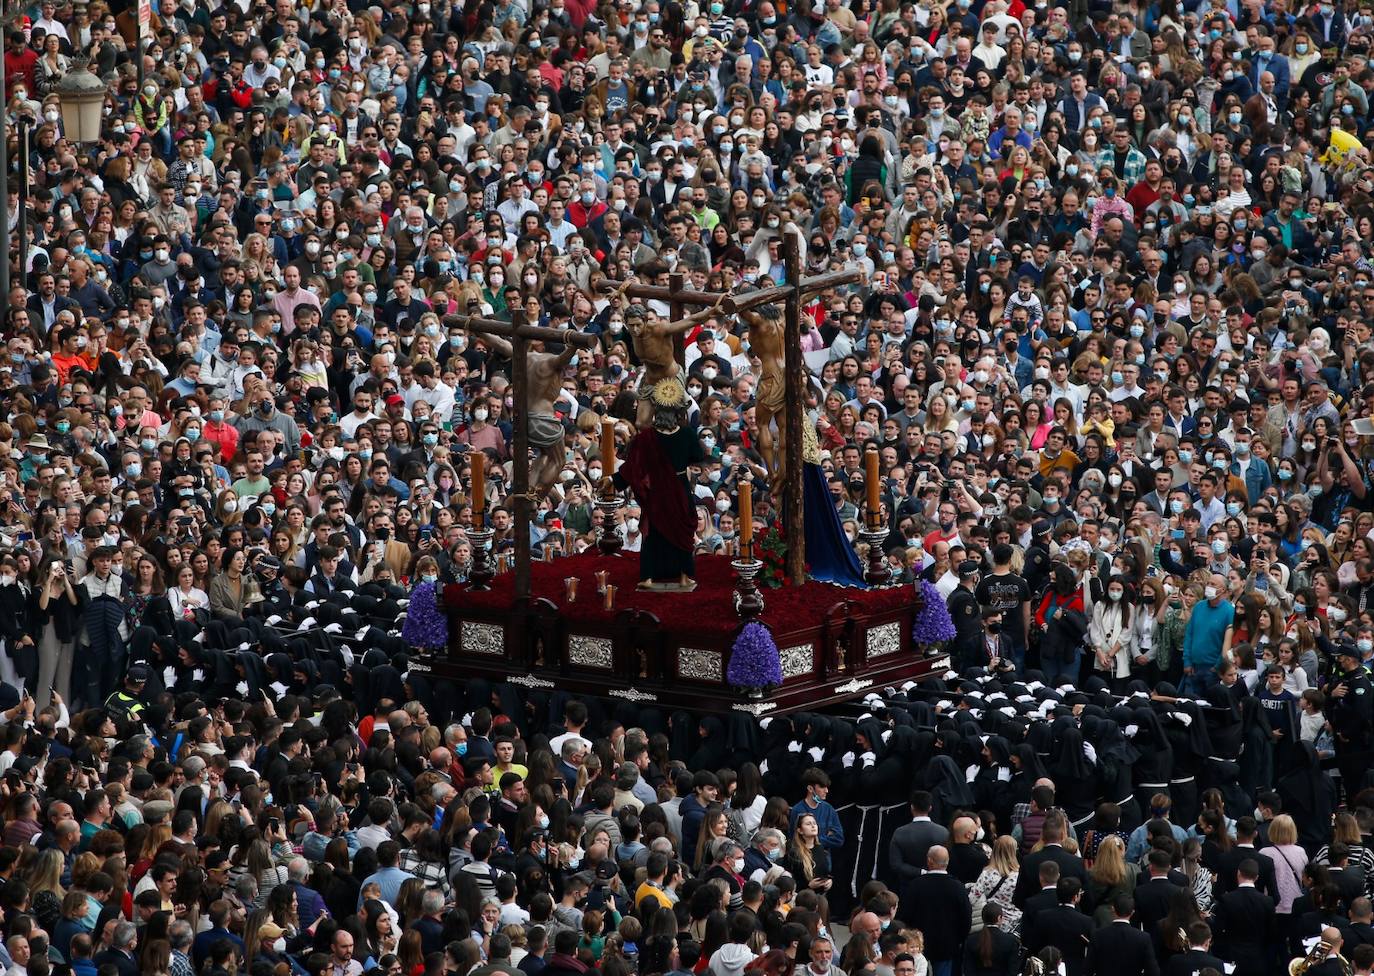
(462, 748)
(430, 578)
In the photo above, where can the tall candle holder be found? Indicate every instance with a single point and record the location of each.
(482, 570)
(877, 571)
(609, 541)
(748, 598)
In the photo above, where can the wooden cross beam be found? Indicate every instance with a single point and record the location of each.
(679, 299)
(519, 332)
(734, 304)
(791, 293)
(795, 387)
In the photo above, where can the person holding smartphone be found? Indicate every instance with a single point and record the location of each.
(57, 624)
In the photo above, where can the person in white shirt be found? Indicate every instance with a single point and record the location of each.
(1130, 384)
(988, 50)
(433, 390)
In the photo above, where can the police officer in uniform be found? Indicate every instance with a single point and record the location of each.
(127, 702)
(968, 619)
(1037, 568)
(1352, 714)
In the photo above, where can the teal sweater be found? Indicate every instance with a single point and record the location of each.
(1206, 633)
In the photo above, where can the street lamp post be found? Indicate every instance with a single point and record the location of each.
(5, 178)
(23, 227)
(82, 97)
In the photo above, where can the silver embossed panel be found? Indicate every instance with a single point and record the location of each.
(483, 638)
(698, 663)
(884, 639)
(589, 652)
(797, 660)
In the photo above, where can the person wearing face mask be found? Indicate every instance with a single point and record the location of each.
(634, 538)
(480, 435)
(1207, 637)
(1111, 634)
(727, 865)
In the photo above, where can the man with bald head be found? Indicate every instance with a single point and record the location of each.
(866, 925)
(937, 904)
(967, 856)
(1207, 638)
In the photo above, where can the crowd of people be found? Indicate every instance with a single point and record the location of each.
(1111, 339)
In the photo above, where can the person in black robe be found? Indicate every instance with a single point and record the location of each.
(1308, 795)
(949, 790)
(655, 469)
(1074, 775)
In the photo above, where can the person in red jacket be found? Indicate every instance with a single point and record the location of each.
(1059, 650)
(19, 63)
(586, 207)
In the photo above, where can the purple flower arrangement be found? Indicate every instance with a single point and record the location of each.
(933, 624)
(425, 625)
(754, 659)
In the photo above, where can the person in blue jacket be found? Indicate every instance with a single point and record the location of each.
(817, 785)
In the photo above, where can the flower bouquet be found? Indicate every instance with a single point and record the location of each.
(754, 663)
(771, 549)
(933, 625)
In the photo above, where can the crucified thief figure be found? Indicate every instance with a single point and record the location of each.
(656, 346)
(545, 373)
(766, 341)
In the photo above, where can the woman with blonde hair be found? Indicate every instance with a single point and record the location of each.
(259, 255)
(1111, 875)
(1345, 829)
(1289, 861)
(44, 878)
(939, 417)
(997, 882)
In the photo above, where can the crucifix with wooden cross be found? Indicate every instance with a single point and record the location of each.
(795, 383)
(536, 378)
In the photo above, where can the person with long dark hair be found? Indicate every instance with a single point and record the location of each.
(991, 951)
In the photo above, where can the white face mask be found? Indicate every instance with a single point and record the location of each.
(1210, 592)
(739, 865)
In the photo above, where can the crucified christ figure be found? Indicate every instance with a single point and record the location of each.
(655, 346)
(545, 373)
(766, 341)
